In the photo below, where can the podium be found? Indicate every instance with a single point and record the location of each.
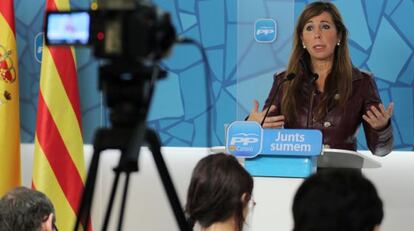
(294, 153)
(339, 158)
(274, 152)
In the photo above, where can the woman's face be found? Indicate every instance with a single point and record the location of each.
(320, 37)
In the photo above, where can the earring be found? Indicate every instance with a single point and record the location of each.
(339, 43)
(304, 47)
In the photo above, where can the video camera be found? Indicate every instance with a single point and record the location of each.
(137, 32)
(131, 36)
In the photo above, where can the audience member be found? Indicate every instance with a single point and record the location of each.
(337, 199)
(219, 194)
(24, 209)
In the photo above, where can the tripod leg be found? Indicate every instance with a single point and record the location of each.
(124, 197)
(86, 202)
(111, 200)
(155, 147)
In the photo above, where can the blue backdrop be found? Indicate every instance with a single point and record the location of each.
(381, 41)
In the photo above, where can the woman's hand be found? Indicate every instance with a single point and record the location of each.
(270, 121)
(378, 117)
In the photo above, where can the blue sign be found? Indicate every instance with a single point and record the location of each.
(247, 139)
(38, 47)
(265, 30)
(292, 142)
(244, 138)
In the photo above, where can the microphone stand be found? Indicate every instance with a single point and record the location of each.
(310, 105)
(289, 77)
(315, 76)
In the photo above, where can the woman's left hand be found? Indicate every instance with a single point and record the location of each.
(378, 117)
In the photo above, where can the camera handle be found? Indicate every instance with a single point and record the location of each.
(114, 138)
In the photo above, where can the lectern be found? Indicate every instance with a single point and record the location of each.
(274, 152)
(287, 152)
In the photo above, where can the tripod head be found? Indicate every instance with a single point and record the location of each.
(127, 90)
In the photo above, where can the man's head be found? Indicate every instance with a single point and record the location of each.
(339, 199)
(26, 210)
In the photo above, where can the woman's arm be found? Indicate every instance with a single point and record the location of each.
(377, 121)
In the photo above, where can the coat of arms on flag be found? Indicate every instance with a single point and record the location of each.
(7, 73)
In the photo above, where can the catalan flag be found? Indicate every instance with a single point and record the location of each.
(59, 166)
(9, 101)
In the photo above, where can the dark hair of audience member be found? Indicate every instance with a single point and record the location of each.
(216, 188)
(340, 200)
(24, 209)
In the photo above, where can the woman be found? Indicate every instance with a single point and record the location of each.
(219, 194)
(328, 93)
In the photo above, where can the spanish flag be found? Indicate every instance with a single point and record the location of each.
(59, 168)
(9, 101)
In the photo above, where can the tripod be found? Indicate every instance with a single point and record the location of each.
(128, 115)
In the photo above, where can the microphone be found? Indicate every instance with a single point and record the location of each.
(314, 77)
(313, 80)
(289, 77)
(307, 70)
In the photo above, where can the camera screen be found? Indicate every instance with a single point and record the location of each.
(67, 28)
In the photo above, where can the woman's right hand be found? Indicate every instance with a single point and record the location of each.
(270, 121)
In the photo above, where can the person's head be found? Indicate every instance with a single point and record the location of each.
(220, 189)
(26, 210)
(320, 32)
(320, 36)
(340, 199)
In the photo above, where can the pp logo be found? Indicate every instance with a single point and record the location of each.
(244, 139)
(38, 47)
(265, 30)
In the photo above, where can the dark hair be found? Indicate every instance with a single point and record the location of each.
(217, 185)
(340, 200)
(339, 80)
(24, 209)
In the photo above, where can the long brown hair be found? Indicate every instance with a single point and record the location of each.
(339, 81)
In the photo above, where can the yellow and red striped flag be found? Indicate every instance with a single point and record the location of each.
(9, 101)
(59, 166)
